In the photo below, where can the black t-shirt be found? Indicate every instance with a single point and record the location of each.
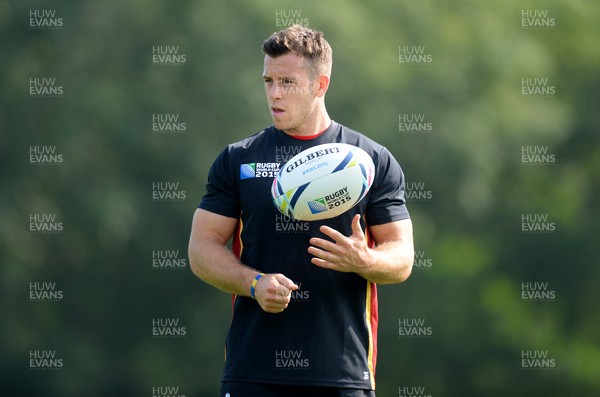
(328, 334)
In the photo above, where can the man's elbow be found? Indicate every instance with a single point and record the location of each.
(402, 272)
(406, 271)
(406, 265)
(194, 260)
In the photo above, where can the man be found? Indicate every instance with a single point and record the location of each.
(305, 300)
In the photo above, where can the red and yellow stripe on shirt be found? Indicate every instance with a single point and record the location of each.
(371, 318)
(237, 246)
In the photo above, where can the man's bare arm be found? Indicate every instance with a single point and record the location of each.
(213, 262)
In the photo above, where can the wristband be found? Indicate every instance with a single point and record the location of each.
(253, 286)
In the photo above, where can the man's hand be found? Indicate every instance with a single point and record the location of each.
(390, 261)
(274, 292)
(345, 254)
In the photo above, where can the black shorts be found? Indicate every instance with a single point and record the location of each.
(239, 389)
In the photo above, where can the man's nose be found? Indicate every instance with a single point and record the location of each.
(275, 91)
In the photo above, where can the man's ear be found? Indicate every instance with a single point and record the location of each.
(323, 81)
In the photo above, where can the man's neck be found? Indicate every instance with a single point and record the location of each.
(314, 127)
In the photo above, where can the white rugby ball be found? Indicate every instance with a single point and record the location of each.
(323, 181)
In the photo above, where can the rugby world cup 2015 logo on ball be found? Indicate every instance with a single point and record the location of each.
(323, 181)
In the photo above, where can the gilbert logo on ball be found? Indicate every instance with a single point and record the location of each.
(323, 181)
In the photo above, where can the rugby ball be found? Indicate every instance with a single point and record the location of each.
(323, 181)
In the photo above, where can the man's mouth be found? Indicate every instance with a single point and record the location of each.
(276, 111)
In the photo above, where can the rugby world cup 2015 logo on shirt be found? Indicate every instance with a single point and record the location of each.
(258, 170)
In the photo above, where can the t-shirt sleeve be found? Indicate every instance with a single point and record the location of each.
(221, 189)
(386, 201)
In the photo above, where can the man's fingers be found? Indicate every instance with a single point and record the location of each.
(334, 234)
(322, 254)
(324, 244)
(323, 263)
(286, 282)
(275, 292)
(356, 228)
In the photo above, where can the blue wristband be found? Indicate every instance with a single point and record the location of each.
(253, 286)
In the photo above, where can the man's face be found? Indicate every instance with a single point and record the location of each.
(291, 94)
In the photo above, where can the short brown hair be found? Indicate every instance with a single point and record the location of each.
(305, 42)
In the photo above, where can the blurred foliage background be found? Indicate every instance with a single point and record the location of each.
(470, 163)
